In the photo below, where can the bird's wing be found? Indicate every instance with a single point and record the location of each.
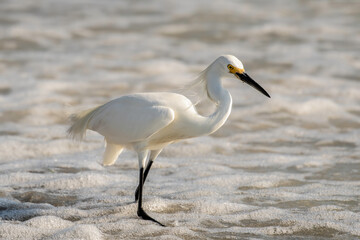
(127, 120)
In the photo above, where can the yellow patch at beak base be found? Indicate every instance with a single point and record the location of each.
(234, 70)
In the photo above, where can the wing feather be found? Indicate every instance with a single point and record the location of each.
(130, 119)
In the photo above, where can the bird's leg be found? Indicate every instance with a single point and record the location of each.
(145, 175)
(141, 213)
(152, 157)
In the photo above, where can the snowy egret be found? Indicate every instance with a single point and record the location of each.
(148, 122)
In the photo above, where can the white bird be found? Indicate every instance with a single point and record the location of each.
(148, 122)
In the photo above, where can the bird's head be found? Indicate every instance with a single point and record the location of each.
(229, 64)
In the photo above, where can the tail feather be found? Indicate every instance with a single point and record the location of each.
(80, 123)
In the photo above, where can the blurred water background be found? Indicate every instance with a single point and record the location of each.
(280, 168)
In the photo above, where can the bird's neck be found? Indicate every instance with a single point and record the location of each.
(222, 98)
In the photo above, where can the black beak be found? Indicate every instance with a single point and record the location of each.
(247, 79)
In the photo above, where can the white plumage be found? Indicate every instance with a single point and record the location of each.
(148, 122)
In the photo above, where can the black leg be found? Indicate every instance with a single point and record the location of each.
(145, 175)
(140, 212)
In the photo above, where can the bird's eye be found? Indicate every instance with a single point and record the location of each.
(230, 67)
